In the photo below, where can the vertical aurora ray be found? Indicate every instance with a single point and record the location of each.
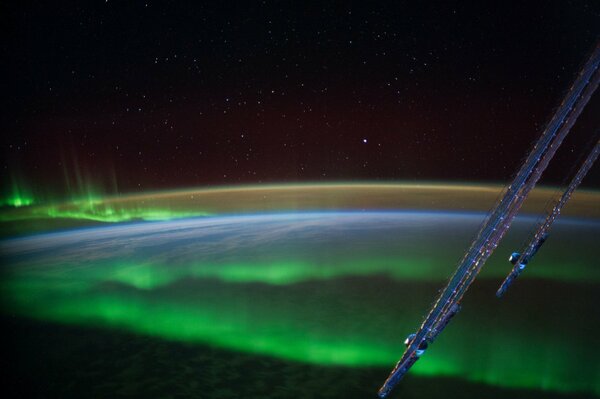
(87, 200)
(80, 189)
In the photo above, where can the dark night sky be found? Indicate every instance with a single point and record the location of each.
(173, 94)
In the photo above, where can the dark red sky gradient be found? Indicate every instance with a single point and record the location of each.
(172, 94)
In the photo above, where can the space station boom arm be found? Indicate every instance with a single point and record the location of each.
(502, 214)
(542, 232)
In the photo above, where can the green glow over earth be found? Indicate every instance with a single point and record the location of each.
(236, 321)
(338, 288)
(331, 289)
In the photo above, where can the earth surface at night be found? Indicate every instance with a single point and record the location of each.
(295, 304)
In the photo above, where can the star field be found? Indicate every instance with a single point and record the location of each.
(154, 95)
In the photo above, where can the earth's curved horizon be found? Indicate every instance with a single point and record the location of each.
(261, 198)
(319, 276)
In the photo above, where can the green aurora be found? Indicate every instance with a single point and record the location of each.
(100, 212)
(221, 318)
(19, 194)
(330, 308)
(87, 200)
(95, 210)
